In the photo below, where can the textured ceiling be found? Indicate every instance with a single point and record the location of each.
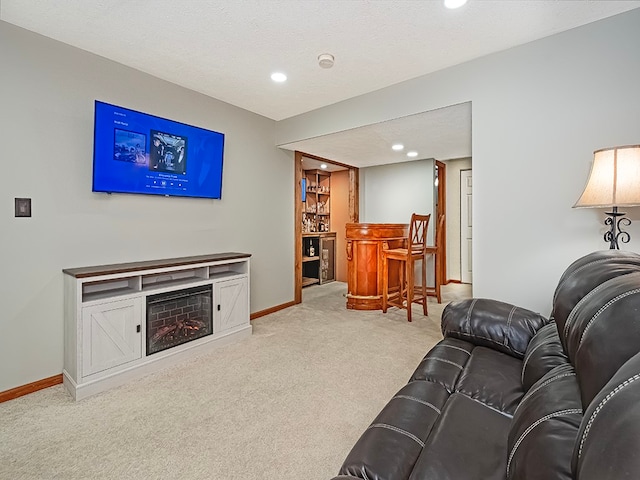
(314, 164)
(443, 134)
(227, 49)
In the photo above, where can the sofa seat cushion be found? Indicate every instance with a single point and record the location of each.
(484, 374)
(389, 448)
(469, 442)
(460, 396)
(492, 378)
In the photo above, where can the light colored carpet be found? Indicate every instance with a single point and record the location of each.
(287, 403)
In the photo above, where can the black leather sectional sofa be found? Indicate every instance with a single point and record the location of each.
(508, 394)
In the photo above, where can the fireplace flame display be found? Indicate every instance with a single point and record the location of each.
(178, 317)
(177, 330)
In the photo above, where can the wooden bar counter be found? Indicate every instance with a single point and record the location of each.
(364, 261)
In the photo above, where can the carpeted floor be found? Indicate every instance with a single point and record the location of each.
(287, 403)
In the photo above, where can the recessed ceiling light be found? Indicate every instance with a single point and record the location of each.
(324, 165)
(397, 147)
(412, 154)
(454, 3)
(278, 77)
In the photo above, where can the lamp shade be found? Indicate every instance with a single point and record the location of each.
(614, 180)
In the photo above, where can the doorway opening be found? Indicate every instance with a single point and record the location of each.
(442, 133)
(326, 198)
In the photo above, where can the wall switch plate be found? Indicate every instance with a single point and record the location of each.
(23, 207)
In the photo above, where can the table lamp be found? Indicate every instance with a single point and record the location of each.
(614, 181)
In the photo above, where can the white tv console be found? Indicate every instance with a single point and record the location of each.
(105, 316)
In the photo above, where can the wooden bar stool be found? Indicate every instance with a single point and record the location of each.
(437, 252)
(408, 292)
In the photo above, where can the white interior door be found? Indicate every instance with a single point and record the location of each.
(465, 226)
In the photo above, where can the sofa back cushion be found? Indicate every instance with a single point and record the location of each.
(583, 276)
(609, 438)
(545, 427)
(601, 334)
(544, 353)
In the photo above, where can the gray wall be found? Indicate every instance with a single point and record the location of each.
(46, 131)
(391, 193)
(539, 112)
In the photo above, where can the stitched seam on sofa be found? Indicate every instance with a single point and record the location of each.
(506, 335)
(527, 357)
(577, 270)
(457, 348)
(442, 383)
(491, 340)
(486, 405)
(398, 430)
(603, 308)
(430, 405)
(445, 361)
(473, 302)
(560, 413)
(600, 406)
(572, 314)
(544, 384)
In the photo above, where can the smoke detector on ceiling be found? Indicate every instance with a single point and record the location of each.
(325, 60)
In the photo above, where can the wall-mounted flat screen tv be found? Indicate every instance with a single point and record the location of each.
(135, 152)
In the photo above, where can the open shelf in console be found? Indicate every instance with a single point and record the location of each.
(102, 289)
(105, 282)
(154, 281)
(228, 270)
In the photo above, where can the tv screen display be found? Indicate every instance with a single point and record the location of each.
(135, 152)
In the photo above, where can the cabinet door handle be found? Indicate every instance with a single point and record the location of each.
(218, 307)
(137, 328)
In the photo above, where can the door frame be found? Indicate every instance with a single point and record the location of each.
(462, 228)
(442, 210)
(354, 210)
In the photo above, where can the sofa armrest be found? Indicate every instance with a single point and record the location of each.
(346, 477)
(490, 323)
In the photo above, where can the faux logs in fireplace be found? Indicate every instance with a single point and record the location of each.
(174, 318)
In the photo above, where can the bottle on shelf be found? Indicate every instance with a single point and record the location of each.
(317, 201)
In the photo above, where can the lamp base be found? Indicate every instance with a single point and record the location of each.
(615, 220)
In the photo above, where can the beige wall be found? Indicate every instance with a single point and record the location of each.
(454, 167)
(339, 218)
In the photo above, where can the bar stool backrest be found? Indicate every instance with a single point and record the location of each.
(418, 233)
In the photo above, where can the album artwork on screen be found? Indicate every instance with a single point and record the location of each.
(168, 153)
(129, 146)
(136, 152)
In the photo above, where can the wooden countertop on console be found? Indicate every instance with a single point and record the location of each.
(98, 270)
